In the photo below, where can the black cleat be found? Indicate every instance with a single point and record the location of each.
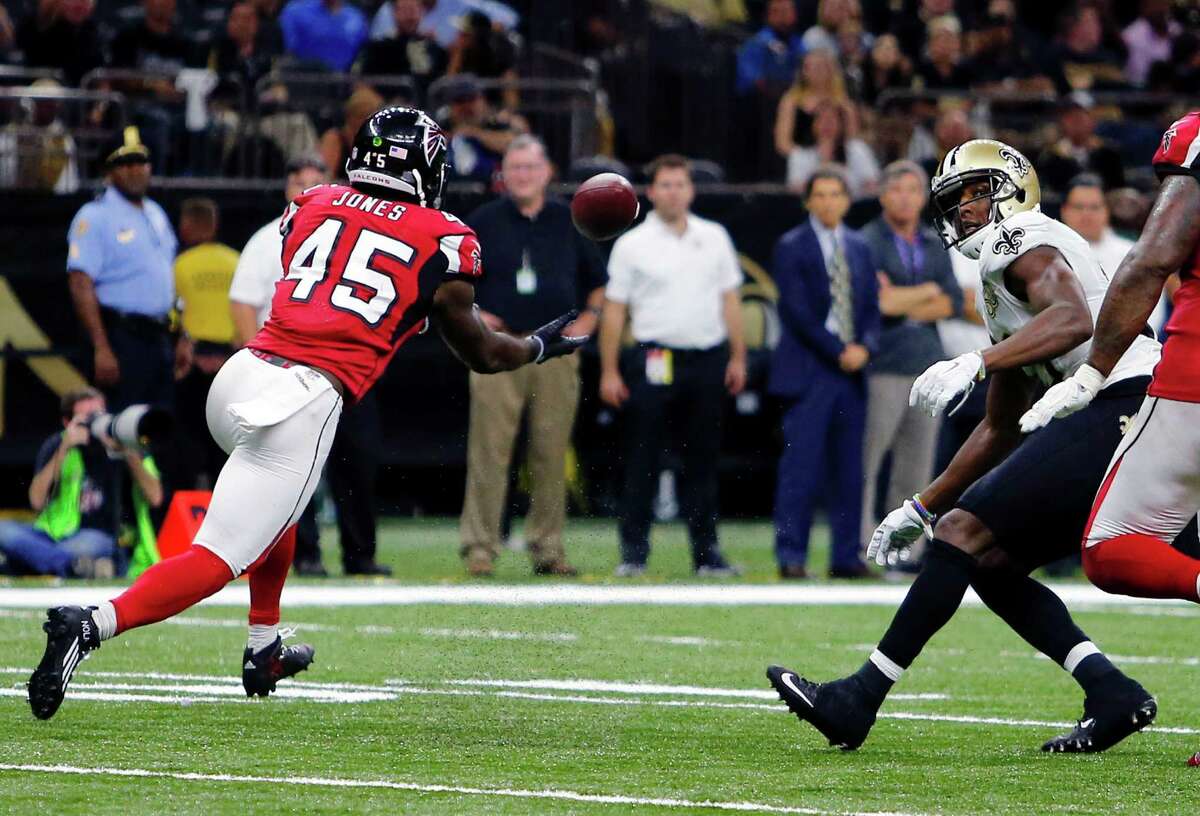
(1106, 721)
(261, 670)
(71, 635)
(838, 710)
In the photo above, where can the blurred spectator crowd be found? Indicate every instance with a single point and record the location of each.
(765, 90)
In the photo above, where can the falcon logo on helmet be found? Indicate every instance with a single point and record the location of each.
(977, 170)
(400, 153)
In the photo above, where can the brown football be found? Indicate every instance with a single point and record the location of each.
(604, 206)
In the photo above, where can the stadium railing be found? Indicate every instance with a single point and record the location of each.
(51, 138)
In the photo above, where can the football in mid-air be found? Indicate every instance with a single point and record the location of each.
(604, 206)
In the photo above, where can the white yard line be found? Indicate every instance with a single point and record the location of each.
(463, 790)
(650, 688)
(237, 594)
(497, 634)
(685, 640)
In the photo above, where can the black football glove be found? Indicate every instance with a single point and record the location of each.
(549, 341)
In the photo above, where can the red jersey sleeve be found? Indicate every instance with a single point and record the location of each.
(461, 254)
(1180, 145)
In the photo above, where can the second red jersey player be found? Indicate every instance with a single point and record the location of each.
(360, 273)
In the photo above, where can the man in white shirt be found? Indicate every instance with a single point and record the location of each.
(260, 265)
(1085, 210)
(676, 276)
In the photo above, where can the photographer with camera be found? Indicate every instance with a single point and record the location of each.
(75, 490)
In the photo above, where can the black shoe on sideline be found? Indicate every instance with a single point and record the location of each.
(310, 569)
(261, 670)
(369, 568)
(1106, 721)
(838, 709)
(71, 635)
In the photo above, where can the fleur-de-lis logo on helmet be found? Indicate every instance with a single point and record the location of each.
(1018, 163)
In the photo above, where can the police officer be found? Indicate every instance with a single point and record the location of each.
(120, 269)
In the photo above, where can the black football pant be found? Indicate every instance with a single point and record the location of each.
(688, 410)
(351, 470)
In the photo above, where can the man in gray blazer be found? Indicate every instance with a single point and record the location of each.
(917, 288)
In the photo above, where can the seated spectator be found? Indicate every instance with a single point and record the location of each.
(407, 51)
(76, 492)
(1179, 73)
(952, 128)
(269, 30)
(707, 13)
(336, 142)
(329, 32)
(1001, 56)
(487, 54)
(8, 36)
(203, 275)
(832, 144)
(240, 58)
(913, 29)
(853, 48)
(886, 68)
(1081, 62)
(831, 14)
(767, 62)
(820, 79)
(1148, 39)
(154, 45)
(943, 67)
(37, 152)
(1079, 149)
(62, 35)
(478, 136)
(442, 16)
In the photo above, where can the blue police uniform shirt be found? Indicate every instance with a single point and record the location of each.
(127, 251)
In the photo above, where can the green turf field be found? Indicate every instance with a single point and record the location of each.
(465, 709)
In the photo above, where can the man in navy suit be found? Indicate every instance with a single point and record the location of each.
(829, 307)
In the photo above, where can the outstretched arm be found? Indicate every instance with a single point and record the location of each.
(484, 351)
(1166, 242)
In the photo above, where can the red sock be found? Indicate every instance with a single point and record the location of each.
(267, 578)
(171, 586)
(1142, 566)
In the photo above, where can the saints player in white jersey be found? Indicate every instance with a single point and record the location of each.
(1007, 503)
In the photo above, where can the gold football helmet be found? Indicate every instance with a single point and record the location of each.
(1013, 188)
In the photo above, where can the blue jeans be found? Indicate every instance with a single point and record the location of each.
(30, 551)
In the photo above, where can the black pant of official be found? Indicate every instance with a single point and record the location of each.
(145, 352)
(688, 409)
(202, 456)
(351, 469)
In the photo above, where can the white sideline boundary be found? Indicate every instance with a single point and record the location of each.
(416, 787)
(238, 594)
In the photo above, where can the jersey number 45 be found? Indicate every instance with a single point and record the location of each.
(310, 266)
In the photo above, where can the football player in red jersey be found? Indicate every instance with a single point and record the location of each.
(1152, 488)
(367, 266)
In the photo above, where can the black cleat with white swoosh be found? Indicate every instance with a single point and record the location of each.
(840, 710)
(1106, 721)
(71, 635)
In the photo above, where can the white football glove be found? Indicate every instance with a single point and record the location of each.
(898, 530)
(1071, 395)
(943, 381)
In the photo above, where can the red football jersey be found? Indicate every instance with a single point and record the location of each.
(359, 277)
(1177, 376)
